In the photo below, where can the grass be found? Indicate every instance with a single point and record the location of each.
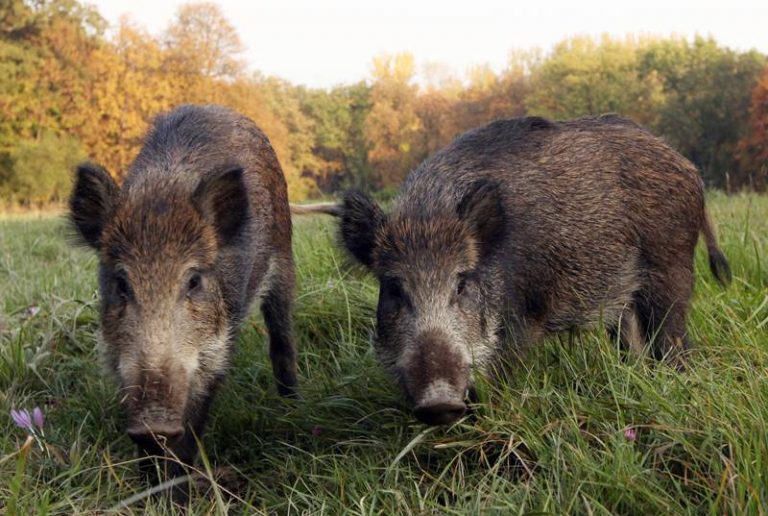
(550, 440)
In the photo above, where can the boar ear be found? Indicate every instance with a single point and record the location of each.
(93, 199)
(483, 210)
(360, 218)
(222, 200)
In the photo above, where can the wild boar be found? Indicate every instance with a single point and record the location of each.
(199, 230)
(521, 229)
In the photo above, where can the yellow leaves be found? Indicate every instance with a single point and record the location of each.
(398, 68)
(584, 75)
(129, 87)
(202, 41)
(392, 123)
(482, 78)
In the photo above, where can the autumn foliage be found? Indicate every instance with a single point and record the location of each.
(70, 89)
(754, 148)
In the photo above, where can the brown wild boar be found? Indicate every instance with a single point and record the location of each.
(521, 229)
(199, 230)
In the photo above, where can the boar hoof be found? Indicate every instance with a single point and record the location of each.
(288, 391)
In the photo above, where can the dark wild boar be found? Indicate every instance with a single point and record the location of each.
(199, 230)
(521, 229)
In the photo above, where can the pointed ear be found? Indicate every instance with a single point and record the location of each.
(482, 209)
(93, 198)
(222, 199)
(360, 219)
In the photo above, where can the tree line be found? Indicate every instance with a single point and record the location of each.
(71, 88)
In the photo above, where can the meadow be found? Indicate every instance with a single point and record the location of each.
(581, 428)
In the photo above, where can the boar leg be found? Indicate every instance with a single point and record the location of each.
(664, 308)
(277, 308)
(632, 333)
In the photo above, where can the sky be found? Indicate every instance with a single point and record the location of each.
(324, 43)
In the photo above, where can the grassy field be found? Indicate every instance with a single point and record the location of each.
(552, 440)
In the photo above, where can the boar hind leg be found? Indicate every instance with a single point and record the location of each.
(631, 331)
(663, 310)
(277, 307)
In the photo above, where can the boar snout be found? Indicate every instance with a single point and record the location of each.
(153, 436)
(154, 428)
(155, 406)
(436, 374)
(441, 413)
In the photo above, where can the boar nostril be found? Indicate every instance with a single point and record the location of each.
(152, 435)
(441, 413)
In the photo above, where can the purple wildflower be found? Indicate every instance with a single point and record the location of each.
(38, 418)
(630, 434)
(28, 420)
(32, 422)
(23, 419)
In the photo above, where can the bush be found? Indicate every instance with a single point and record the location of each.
(40, 171)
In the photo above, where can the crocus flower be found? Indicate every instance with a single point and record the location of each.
(32, 422)
(23, 419)
(630, 434)
(28, 421)
(37, 417)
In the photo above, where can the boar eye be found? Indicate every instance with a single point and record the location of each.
(464, 287)
(393, 297)
(122, 288)
(194, 283)
(394, 290)
(461, 285)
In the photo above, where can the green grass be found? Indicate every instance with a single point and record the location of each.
(551, 440)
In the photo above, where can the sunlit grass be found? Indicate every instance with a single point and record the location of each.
(552, 439)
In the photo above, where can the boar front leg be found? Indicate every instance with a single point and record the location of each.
(277, 307)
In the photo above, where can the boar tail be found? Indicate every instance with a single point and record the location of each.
(327, 208)
(717, 261)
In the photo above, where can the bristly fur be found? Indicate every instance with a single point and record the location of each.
(482, 208)
(91, 203)
(718, 264)
(360, 221)
(524, 228)
(200, 229)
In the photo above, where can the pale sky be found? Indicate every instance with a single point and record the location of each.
(323, 43)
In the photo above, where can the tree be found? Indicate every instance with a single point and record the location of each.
(281, 100)
(338, 119)
(392, 124)
(19, 19)
(753, 148)
(41, 170)
(65, 83)
(583, 76)
(489, 97)
(69, 35)
(18, 99)
(129, 85)
(202, 44)
(707, 92)
(43, 45)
